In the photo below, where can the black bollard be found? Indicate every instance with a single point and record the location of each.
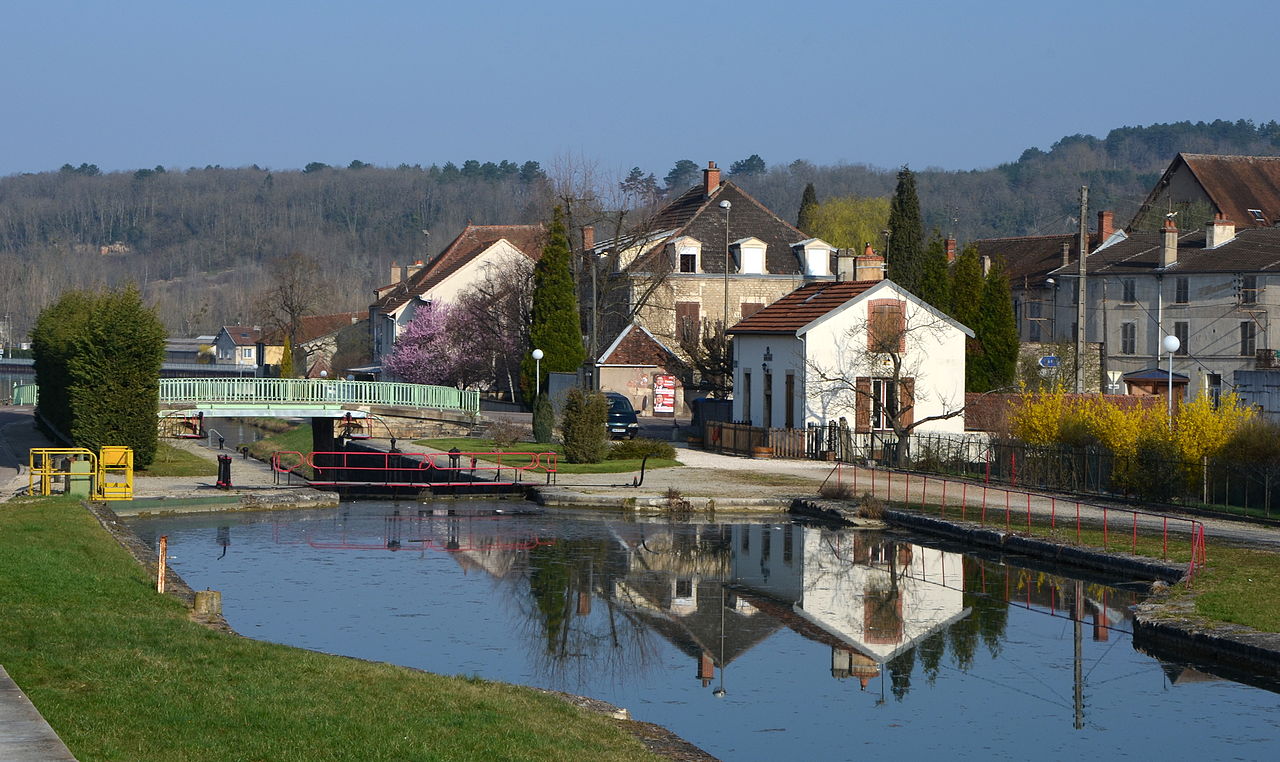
(224, 472)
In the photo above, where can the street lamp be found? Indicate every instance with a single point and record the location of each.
(726, 206)
(1171, 345)
(537, 372)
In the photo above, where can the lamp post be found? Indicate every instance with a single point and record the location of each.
(1053, 316)
(1171, 345)
(537, 372)
(726, 206)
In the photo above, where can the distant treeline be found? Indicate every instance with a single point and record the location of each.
(197, 239)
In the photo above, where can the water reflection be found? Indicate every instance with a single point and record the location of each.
(788, 625)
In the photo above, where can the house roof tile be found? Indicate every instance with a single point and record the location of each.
(1237, 184)
(802, 306)
(1252, 250)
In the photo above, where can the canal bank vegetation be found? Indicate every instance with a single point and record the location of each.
(631, 454)
(121, 672)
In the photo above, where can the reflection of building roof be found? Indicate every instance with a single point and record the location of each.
(699, 632)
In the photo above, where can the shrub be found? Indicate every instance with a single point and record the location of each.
(583, 427)
(837, 491)
(506, 434)
(634, 449)
(870, 507)
(544, 419)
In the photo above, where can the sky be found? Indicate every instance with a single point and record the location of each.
(181, 83)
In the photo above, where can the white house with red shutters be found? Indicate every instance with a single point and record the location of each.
(854, 350)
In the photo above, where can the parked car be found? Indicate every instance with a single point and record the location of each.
(622, 417)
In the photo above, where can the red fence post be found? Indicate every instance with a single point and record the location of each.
(1104, 527)
(1164, 541)
(1077, 521)
(1053, 513)
(1134, 550)
(1028, 511)
(1006, 510)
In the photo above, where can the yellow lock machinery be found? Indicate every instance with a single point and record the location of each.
(107, 475)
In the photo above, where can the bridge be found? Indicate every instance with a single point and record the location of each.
(305, 398)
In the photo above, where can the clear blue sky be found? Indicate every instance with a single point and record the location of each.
(944, 84)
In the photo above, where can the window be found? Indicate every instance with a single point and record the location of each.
(884, 403)
(1033, 320)
(1181, 290)
(1181, 330)
(1248, 338)
(688, 325)
(1130, 291)
(246, 353)
(1128, 338)
(750, 308)
(746, 395)
(1248, 289)
(791, 400)
(688, 260)
(1256, 214)
(1215, 389)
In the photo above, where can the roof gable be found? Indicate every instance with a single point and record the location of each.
(636, 346)
(812, 304)
(1237, 184)
(472, 242)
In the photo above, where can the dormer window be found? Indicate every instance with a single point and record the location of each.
(1257, 216)
(688, 253)
(750, 255)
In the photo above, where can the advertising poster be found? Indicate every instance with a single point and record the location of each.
(664, 395)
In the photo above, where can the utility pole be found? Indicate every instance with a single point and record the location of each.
(1080, 306)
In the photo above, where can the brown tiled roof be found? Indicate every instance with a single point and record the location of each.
(470, 243)
(636, 346)
(1252, 250)
(802, 306)
(694, 214)
(1239, 183)
(245, 335)
(1027, 260)
(314, 326)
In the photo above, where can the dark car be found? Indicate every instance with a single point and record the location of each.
(622, 417)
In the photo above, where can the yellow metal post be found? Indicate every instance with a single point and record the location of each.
(115, 473)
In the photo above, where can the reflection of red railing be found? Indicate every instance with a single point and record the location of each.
(417, 469)
(898, 486)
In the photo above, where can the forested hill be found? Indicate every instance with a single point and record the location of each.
(198, 239)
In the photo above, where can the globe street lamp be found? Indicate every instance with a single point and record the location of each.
(537, 372)
(1171, 345)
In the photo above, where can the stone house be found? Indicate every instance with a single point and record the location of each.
(712, 254)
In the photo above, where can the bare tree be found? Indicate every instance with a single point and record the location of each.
(877, 368)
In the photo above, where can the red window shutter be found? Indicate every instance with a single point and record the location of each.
(688, 321)
(907, 400)
(886, 320)
(862, 409)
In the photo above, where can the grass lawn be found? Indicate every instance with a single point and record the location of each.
(122, 674)
(484, 446)
(171, 461)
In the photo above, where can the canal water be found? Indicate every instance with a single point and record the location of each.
(754, 640)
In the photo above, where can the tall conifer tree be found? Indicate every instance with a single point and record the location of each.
(906, 234)
(935, 279)
(997, 334)
(966, 287)
(808, 203)
(555, 328)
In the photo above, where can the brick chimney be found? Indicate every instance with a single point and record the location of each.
(397, 272)
(1066, 253)
(869, 266)
(1106, 226)
(1218, 231)
(710, 178)
(413, 269)
(588, 237)
(951, 250)
(1169, 250)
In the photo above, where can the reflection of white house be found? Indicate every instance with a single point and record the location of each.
(854, 330)
(479, 251)
(869, 599)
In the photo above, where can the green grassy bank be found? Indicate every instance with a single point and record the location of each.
(122, 674)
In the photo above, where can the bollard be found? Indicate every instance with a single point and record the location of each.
(161, 562)
(224, 472)
(208, 603)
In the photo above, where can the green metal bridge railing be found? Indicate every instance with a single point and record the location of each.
(274, 391)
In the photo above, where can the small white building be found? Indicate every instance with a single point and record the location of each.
(855, 350)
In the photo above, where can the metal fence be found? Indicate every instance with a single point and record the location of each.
(315, 391)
